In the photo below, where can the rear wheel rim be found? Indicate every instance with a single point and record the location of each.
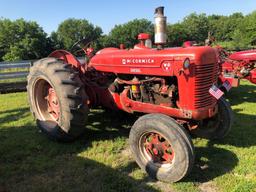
(155, 148)
(46, 101)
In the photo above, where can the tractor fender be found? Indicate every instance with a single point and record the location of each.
(249, 55)
(68, 58)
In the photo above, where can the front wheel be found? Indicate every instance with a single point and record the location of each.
(219, 126)
(162, 147)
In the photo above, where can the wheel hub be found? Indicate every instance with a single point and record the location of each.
(52, 103)
(158, 148)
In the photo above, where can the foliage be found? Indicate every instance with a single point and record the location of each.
(177, 34)
(194, 27)
(245, 34)
(197, 26)
(223, 27)
(73, 30)
(100, 160)
(236, 29)
(127, 33)
(22, 39)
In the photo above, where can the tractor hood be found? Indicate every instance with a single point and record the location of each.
(150, 61)
(249, 55)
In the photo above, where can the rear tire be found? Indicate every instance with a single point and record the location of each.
(219, 126)
(63, 117)
(162, 147)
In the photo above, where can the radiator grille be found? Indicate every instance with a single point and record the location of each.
(205, 77)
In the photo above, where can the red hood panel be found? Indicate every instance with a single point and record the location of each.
(149, 61)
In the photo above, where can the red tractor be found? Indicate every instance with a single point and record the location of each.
(238, 65)
(233, 67)
(175, 87)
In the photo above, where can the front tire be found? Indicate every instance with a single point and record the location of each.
(219, 126)
(161, 147)
(57, 99)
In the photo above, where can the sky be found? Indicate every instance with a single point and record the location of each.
(107, 13)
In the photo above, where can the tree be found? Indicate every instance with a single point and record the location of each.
(73, 30)
(127, 33)
(22, 39)
(177, 34)
(197, 26)
(245, 33)
(216, 23)
(55, 42)
(223, 27)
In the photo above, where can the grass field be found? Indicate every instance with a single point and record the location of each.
(101, 160)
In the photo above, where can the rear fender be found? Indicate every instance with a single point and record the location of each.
(68, 58)
(249, 55)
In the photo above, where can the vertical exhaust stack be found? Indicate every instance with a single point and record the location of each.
(160, 28)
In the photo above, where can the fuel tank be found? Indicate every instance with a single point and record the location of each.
(249, 55)
(145, 61)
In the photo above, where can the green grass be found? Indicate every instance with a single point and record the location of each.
(101, 161)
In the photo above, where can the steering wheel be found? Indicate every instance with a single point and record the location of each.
(83, 44)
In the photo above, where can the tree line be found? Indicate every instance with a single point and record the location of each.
(22, 40)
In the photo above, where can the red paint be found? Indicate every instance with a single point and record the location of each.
(158, 148)
(194, 83)
(239, 65)
(235, 66)
(130, 106)
(53, 103)
(249, 55)
(149, 62)
(188, 44)
(144, 36)
(68, 58)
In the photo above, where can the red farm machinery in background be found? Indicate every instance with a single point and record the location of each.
(233, 66)
(238, 65)
(177, 89)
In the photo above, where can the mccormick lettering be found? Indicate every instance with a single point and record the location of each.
(137, 61)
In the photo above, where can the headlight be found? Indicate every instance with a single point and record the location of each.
(186, 63)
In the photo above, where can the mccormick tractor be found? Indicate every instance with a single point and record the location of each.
(176, 89)
(234, 66)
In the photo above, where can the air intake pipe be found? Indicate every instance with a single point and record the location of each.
(160, 28)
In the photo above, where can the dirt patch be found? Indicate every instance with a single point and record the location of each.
(127, 153)
(208, 187)
(163, 187)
